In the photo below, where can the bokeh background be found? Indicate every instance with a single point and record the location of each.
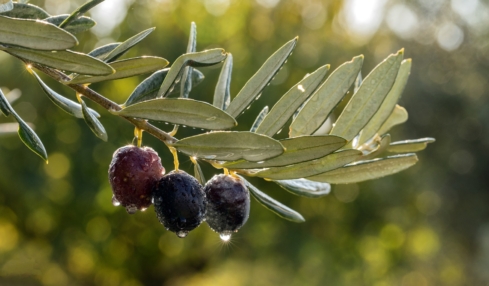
(428, 225)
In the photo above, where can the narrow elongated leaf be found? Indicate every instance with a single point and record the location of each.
(6, 5)
(222, 94)
(79, 25)
(30, 138)
(64, 60)
(198, 174)
(305, 188)
(125, 68)
(297, 150)
(205, 58)
(408, 146)
(181, 111)
(311, 168)
(381, 148)
(186, 82)
(4, 104)
(94, 124)
(367, 170)
(388, 104)
(273, 205)
(325, 98)
(399, 115)
(358, 82)
(79, 12)
(34, 34)
(261, 79)
(62, 102)
(148, 88)
(291, 101)
(25, 11)
(259, 119)
(363, 104)
(126, 45)
(102, 51)
(230, 146)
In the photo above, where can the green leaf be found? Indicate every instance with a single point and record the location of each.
(6, 5)
(30, 138)
(305, 188)
(273, 205)
(297, 150)
(126, 45)
(222, 94)
(148, 88)
(34, 35)
(381, 148)
(325, 98)
(198, 174)
(388, 104)
(25, 11)
(4, 104)
(235, 145)
(259, 119)
(64, 60)
(367, 170)
(358, 82)
(125, 68)
(92, 122)
(399, 115)
(102, 51)
(180, 111)
(79, 25)
(186, 81)
(261, 79)
(363, 104)
(311, 168)
(291, 101)
(80, 11)
(205, 58)
(62, 102)
(410, 145)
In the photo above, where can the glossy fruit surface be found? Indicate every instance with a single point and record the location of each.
(228, 203)
(133, 173)
(180, 202)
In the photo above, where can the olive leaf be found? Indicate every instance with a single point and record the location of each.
(25, 11)
(291, 101)
(64, 60)
(6, 6)
(358, 82)
(367, 170)
(205, 58)
(259, 119)
(320, 105)
(297, 150)
(186, 81)
(399, 115)
(222, 94)
(62, 102)
(125, 68)
(311, 168)
(408, 146)
(148, 88)
(79, 25)
(198, 174)
(102, 51)
(304, 187)
(367, 100)
(180, 111)
(79, 12)
(93, 123)
(388, 104)
(273, 205)
(119, 50)
(5, 107)
(34, 35)
(222, 145)
(382, 146)
(255, 85)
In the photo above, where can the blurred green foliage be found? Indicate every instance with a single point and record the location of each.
(425, 226)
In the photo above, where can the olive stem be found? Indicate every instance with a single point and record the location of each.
(175, 157)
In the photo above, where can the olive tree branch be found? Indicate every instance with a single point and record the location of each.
(106, 103)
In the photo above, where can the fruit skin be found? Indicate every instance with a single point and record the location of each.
(179, 202)
(228, 203)
(133, 173)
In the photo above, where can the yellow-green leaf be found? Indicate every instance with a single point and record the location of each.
(399, 115)
(305, 188)
(408, 146)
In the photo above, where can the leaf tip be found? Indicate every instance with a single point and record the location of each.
(400, 52)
